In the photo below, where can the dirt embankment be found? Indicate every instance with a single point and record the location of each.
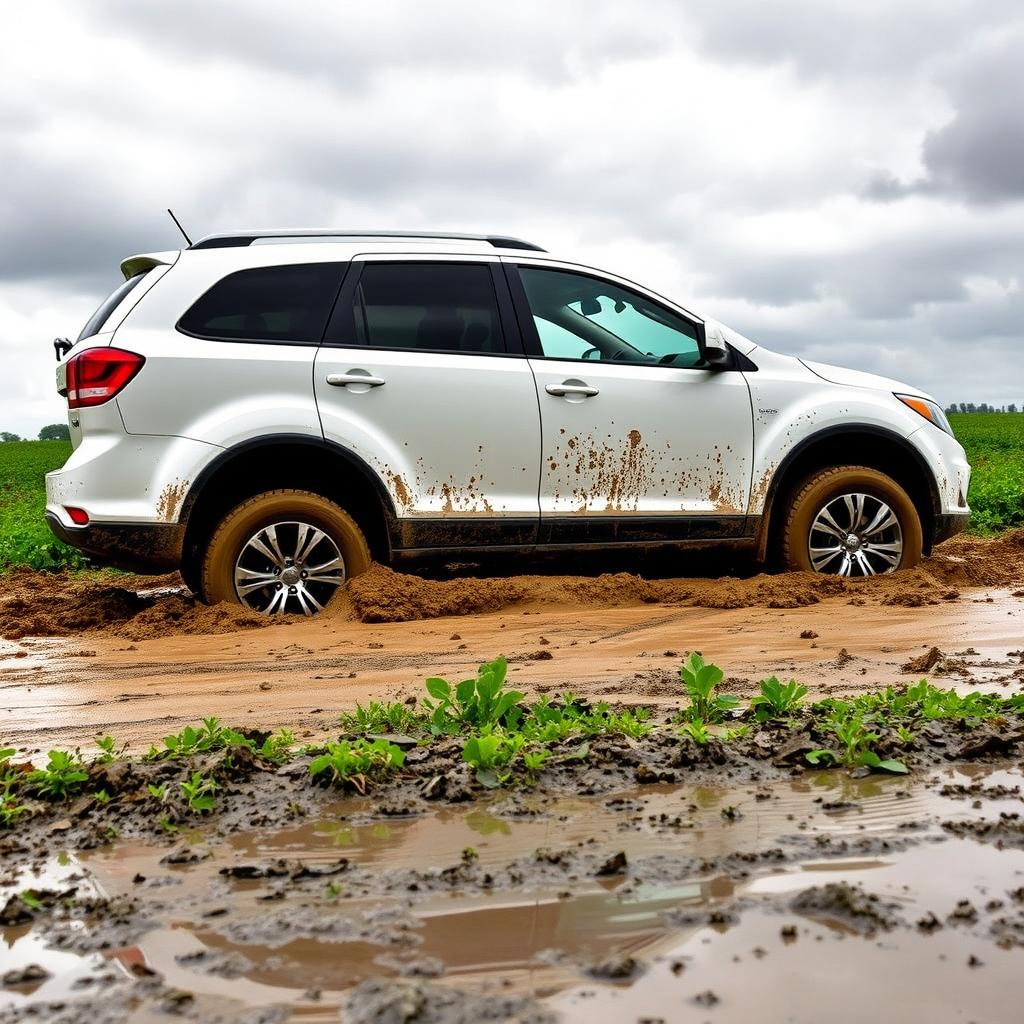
(42, 604)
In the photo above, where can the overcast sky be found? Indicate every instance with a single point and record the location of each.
(843, 184)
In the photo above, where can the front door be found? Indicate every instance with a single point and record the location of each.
(635, 435)
(419, 377)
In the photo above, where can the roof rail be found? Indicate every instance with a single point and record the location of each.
(243, 238)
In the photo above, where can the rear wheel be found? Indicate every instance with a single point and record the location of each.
(283, 551)
(851, 521)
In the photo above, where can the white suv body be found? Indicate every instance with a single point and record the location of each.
(457, 393)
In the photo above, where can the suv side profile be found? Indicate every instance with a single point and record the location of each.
(271, 411)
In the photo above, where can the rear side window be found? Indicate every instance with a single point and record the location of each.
(95, 323)
(289, 304)
(433, 307)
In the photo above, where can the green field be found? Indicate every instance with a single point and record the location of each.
(995, 449)
(994, 443)
(25, 539)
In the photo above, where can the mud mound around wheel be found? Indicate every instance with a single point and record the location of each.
(140, 608)
(383, 595)
(68, 604)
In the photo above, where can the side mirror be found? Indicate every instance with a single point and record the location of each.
(716, 352)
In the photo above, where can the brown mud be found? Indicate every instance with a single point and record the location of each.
(77, 669)
(730, 901)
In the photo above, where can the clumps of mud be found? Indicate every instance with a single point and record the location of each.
(379, 1001)
(64, 604)
(849, 906)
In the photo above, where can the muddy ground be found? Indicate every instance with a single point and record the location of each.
(79, 656)
(649, 880)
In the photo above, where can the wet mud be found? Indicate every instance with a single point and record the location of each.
(716, 900)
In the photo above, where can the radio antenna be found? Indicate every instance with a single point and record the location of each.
(177, 224)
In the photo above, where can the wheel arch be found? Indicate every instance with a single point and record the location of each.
(853, 444)
(286, 460)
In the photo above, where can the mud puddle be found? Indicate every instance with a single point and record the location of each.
(826, 896)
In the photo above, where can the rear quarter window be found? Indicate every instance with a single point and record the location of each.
(283, 304)
(96, 322)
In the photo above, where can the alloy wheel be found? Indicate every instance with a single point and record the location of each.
(855, 535)
(288, 567)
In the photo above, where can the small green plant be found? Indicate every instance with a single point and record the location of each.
(198, 791)
(101, 796)
(108, 749)
(30, 899)
(856, 750)
(63, 775)
(490, 753)
(277, 747)
(695, 730)
(334, 890)
(473, 703)
(352, 761)
(378, 717)
(777, 699)
(700, 679)
(534, 761)
(10, 809)
(158, 791)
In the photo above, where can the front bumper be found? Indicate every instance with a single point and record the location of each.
(146, 548)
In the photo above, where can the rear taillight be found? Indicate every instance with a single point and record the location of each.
(98, 374)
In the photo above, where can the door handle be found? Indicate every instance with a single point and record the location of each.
(571, 388)
(343, 380)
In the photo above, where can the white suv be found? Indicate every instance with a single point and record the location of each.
(269, 411)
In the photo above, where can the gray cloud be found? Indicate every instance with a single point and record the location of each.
(842, 177)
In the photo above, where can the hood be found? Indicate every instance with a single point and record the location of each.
(859, 379)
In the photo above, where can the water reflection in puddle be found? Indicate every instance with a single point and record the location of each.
(259, 942)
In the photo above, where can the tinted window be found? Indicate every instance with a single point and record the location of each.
(437, 307)
(580, 317)
(95, 323)
(267, 304)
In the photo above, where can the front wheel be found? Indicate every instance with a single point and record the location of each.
(851, 521)
(283, 551)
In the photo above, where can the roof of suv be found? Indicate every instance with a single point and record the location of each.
(237, 239)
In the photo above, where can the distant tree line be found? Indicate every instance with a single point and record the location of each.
(51, 432)
(981, 407)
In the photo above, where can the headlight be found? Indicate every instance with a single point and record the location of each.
(929, 410)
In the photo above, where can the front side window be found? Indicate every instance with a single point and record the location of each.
(96, 322)
(433, 307)
(288, 304)
(581, 317)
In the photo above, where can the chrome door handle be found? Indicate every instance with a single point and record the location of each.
(342, 380)
(571, 389)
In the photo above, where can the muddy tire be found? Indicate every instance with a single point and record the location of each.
(851, 521)
(283, 551)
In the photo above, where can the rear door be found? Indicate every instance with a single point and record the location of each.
(422, 375)
(639, 442)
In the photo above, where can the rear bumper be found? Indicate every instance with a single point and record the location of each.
(948, 524)
(135, 547)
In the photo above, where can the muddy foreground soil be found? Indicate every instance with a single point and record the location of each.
(81, 657)
(741, 887)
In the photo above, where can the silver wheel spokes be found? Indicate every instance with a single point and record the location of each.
(288, 567)
(855, 535)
